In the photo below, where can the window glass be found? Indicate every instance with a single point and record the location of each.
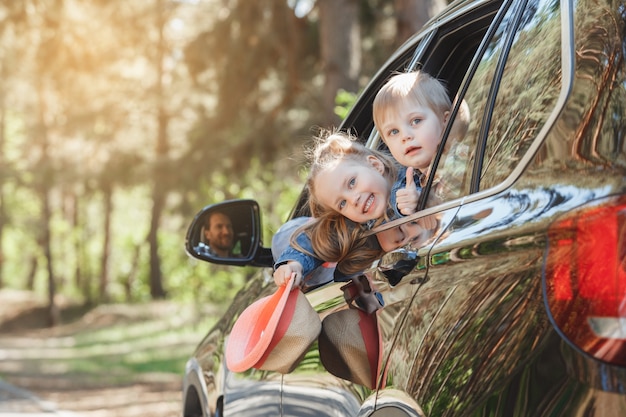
(524, 99)
(527, 93)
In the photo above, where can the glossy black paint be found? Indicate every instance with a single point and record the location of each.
(465, 327)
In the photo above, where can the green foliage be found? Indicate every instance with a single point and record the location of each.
(218, 107)
(345, 100)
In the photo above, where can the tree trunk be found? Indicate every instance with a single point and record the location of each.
(53, 311)
(106, 242)
(2, 207)
(340, 43)
(156, 279)
(76, 239)
(132, 274)
(411, 15)
(32, 271)
(161, 150)
(44, 192)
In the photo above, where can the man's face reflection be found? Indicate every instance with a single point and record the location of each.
(219, 234)
(399, 236)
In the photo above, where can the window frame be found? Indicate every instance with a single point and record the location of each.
(567, 79)
(422, 47)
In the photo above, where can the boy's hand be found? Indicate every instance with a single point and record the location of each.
(406, 198)
(285, 271)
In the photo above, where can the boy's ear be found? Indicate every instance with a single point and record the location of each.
(446, 117)
(376, 163)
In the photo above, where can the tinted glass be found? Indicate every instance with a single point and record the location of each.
(523, 100)
(528, 92)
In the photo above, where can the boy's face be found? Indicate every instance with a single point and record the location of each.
(412, 133)
(357, 190)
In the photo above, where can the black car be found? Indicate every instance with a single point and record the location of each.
(515, 303)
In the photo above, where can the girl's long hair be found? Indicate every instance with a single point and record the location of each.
(335, 238)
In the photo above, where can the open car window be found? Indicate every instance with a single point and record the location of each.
(497, 140)
(476, 61)
(444, 50)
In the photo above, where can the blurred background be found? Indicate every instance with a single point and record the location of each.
(119, 120)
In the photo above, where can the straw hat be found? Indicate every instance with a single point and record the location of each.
(350, 346)
(273, 333)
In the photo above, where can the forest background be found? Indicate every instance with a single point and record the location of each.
(120, 120)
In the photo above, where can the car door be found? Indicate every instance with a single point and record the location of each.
(470, 313)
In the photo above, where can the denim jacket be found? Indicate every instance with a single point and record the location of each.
(308, 262)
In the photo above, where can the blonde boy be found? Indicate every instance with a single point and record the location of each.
(411, 112)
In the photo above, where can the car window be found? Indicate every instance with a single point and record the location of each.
(444, 50)
(521, 95)
(527, 93)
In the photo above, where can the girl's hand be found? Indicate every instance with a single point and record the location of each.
(285, 271)
(406, 198)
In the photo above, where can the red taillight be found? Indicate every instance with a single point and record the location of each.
(586, 279)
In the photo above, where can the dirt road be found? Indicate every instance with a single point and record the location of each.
(33, 358)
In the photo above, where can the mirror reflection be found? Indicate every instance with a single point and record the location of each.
(223, 231)
(414, 233)
(217, 237)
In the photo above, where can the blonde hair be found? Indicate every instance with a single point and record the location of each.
(418, 86)
(334, 237)
(333, 147)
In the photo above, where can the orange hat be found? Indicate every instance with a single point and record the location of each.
(273, 333)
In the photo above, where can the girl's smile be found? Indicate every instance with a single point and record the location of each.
(357, 190)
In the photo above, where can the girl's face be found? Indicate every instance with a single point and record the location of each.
(357, 190)
(412, 133)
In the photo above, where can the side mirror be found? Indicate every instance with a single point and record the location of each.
(228, 233)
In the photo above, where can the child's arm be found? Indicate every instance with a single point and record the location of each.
(407, 197)
(285, 271)
(296, 261)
